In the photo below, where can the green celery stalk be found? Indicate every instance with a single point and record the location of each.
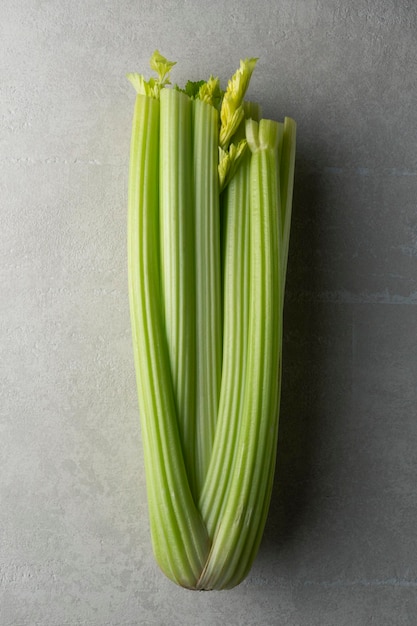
(286, 159)
(176, 222)
(235, 210)
(287, 166)
(207, 287)
(236, 255)
(179, 536)
(255, 443)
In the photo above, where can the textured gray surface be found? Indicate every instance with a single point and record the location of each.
(340, 548)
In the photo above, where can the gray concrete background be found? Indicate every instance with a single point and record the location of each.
(340, 546)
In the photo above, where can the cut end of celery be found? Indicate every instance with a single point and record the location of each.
(262, 135)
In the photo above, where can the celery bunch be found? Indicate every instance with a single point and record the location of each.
(210, 192)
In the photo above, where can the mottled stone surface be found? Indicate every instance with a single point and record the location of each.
(340, 547)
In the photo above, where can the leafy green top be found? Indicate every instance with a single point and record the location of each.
(232, 110)
(152, 87)
(230, 103)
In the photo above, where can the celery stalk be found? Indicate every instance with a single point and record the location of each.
(207, 273)
(177, 259)
(179, 536)
(235, 269)
(287, 166)
(286, 159)
(236, 254)
(249, 479)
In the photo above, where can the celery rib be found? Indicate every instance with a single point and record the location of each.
(177, 260)
(286, 160)
(207, 272)
(236, 256)
(235, 269)
(249, 481)
(287, 166)
(179, 536)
